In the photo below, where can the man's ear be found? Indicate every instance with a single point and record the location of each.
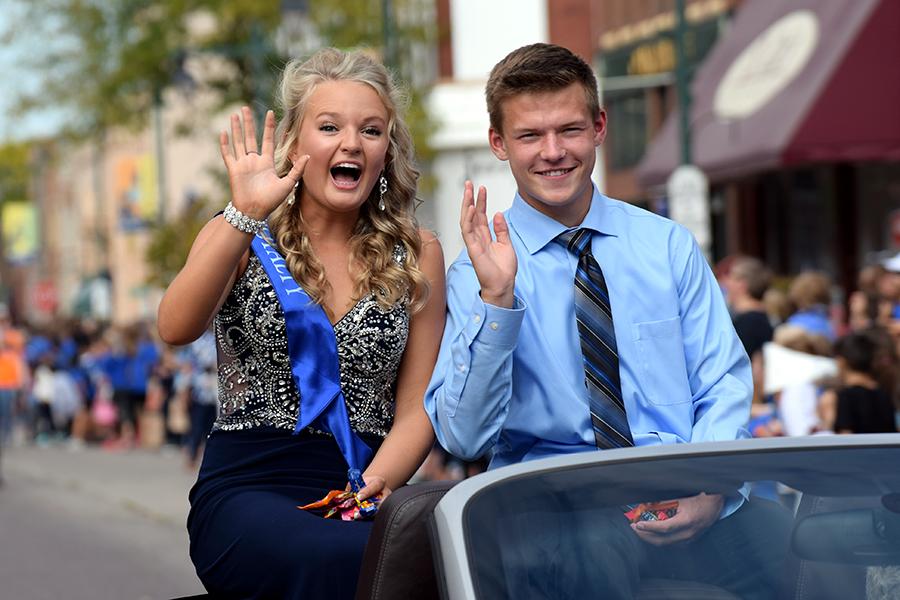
(498, 145)
(600, 128)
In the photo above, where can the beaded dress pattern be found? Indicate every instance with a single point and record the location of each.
(256, 388)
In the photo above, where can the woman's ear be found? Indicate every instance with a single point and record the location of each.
(295, 153)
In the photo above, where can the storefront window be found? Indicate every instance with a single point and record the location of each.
(811, 221)
(878, 209)
(627, 137)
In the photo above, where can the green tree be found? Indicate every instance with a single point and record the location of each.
(109, 61)
(15, 174)
(14, 171)
(171, 242)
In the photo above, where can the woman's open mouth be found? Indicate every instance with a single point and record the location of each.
(346, 175)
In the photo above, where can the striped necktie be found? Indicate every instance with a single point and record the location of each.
(598, 344)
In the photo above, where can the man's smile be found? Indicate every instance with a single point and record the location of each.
(553, 173)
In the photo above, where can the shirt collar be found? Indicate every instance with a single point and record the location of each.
(536, 229)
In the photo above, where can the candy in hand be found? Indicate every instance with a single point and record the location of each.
(346, 503)
(651, 511)
(367, 507)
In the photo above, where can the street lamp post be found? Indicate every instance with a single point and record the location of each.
(257, 51)
(181, 80)
(160, 155)
(681, 85)
(387, 33)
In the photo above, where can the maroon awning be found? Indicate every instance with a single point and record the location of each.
(789, 83)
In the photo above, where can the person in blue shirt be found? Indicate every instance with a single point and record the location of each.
(512, 379)
(810, 293)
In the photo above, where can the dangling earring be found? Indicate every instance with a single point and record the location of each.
(383, 189)
(293, 194)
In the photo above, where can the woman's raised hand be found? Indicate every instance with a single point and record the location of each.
(256, 189)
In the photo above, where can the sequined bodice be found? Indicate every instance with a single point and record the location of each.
(255, 384)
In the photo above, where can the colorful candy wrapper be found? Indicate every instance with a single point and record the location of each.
(346, 503)
(651, 511)
(368, 507)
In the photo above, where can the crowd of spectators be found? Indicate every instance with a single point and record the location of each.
(819, 367)
(80, 382)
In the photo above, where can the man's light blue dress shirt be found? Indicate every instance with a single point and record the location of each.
(512, 380)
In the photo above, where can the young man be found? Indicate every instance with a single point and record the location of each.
(746, 283)
(652, 357)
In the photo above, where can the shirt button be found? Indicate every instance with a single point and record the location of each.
(477, 318)
(494, 325)
(461, 367)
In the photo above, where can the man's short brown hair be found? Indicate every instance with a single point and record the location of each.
(538, 68)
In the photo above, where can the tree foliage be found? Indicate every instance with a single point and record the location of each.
(171, 242)
(14, 171)
(15, 174)
(106, 62)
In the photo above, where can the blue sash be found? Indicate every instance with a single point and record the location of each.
(314, 358)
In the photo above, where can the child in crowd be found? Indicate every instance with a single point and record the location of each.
(810, 293)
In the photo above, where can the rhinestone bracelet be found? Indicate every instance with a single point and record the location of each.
(241, 221)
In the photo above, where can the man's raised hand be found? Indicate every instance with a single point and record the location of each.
(494, 260)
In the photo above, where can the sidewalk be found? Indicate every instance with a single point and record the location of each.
(154, 484)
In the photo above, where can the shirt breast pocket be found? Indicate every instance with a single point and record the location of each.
(661, 355)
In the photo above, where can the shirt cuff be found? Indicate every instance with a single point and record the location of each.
(493, 325)
(734, 502)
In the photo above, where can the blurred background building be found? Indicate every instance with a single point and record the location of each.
(475, 36)
(793, 119)
(791, 113)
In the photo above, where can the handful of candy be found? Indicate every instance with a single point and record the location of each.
(651, 511)
(346, 503)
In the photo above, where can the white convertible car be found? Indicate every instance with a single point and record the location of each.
(509, 532)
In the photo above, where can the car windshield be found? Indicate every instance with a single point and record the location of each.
(824, 523)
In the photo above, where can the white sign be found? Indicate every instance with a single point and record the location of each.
(767, 65)
(688, 191)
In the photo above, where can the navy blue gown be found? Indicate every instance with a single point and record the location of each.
(248, 539)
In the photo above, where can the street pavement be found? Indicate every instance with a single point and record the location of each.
(93, 524)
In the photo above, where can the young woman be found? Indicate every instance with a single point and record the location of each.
(336, 184)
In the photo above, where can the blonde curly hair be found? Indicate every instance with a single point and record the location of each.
(377, 231)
